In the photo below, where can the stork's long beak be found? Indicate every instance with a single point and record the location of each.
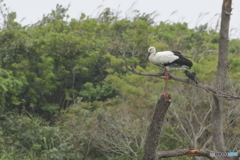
(147, 57)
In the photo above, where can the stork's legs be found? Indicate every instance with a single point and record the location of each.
(166, 82)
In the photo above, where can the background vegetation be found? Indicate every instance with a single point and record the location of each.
(65, 92)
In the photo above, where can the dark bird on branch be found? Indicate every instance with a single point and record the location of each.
(191, 75)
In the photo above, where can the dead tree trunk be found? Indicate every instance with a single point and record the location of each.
(221, 78)
(152, 140)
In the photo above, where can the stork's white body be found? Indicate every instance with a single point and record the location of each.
(161, 58)
(168, 59)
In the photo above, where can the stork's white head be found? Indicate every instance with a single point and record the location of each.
(151, 50)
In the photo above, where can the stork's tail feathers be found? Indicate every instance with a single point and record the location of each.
(182, 61)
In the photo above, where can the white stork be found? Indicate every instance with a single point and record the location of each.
(169, 60)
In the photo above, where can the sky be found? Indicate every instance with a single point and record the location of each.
(167, 10)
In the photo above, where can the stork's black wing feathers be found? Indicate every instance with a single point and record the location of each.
(176, 53)
(180, 61)
(179, 53)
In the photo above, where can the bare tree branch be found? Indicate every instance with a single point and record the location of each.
(182, 152)
(206, 87)
(207, 142)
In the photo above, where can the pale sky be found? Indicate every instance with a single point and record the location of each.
(186, 10)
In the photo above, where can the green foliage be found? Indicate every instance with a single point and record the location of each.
(10, 88)
(26, 137)
(98, 92)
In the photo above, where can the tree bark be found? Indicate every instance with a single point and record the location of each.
(152, 140)
(221, 78)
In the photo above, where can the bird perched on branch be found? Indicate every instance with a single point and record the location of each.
(191, 75)
(169, 60)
